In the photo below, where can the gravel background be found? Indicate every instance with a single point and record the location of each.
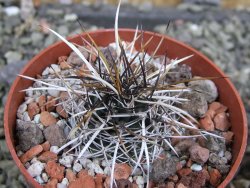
(223, 38)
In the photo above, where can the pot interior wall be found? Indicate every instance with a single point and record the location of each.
(200, 66)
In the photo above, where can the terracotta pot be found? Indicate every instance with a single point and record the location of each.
(201, 66)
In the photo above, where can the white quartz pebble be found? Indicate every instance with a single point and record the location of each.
(66, 161)
(77, 167)
(196, 167)
(36, 169)
(54, 149)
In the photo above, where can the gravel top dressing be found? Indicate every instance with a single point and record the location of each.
(117, 117)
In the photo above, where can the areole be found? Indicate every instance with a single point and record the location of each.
(201, 66)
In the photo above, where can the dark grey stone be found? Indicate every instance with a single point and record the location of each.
(197, 104)
(162, 169)
(28, 134)
(55, 135)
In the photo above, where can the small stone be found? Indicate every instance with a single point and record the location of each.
(39, 179)
(53, 92)
(75, 60)
(170, 185)
(36, 169)
(34, 151)
(183, 146)
(84, 162)
(36, 37)
(196, 104)
(215, 177)
(99, 181)
(22, 108)
(70, 175)
(33, 109)
(82, 173)
(55, 68)
(51, 104)
(29, 93)
(228, 155)
(122, 171)
(106, 171)
(206, 87)
(47, 156)
(55, 115)
(33, 160)
(28, 135)
(95, 167)
(206, 123)
(26, 117)
(162, 169)
(97, 161)
(47, 119)
(45, 72)
(60, 110)
(64, 65)
(228, 136)
(45, 177)
(199, 154)
(66, 161)
(221, 122)
(124, 183)
(55, 135)
(46, 146)
(139, 180)
(214, 144)
(52, 183)
(217, 107)
(63, 184)
(54, 149)
(54, 170)
(83, 182)
(196, 167)
(37, 118)
(77, 167)
(42, 102)
(184, 172)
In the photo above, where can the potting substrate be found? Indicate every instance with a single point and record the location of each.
(127, 117)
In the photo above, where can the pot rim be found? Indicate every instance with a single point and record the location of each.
(24, 171)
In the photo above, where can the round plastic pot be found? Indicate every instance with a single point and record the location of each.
(201, 66)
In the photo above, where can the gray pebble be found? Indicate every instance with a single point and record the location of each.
(206, 87)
